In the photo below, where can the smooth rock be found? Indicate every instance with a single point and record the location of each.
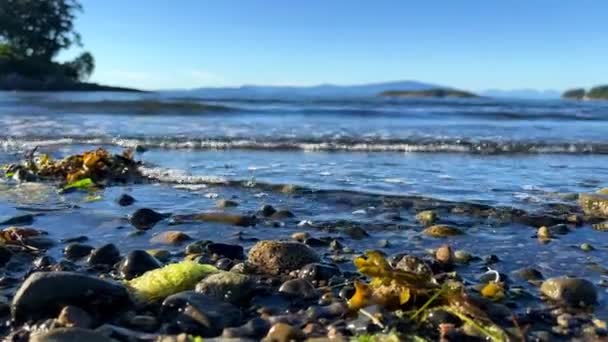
(125, 200)
(19, 220)
(595, 205)
(255, 328)
(529, 274)
(314, 242)
(145, 218)
(170, 237)
(462, 256)
(571, 291)
(224, 264)
(70, 335)
(105, 255)
(442, 230)
(224, 203)
(444, 254)
(282, 214)
(199, 314)
(160, 254)
(73, 316)
(283, 332)
(136, 263)
(76, 251)
(587, 247)
(267, 210)
(228, 286)
(40, 242)
(298, 288)
(197, 247)
(427, 217)
(43, 295)
(276, 257)
(226, 250)
(355, 232)
(543, 233)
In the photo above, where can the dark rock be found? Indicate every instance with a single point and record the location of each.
(76, 251)
(19, 220)
(571, 291)
(224, 264)
(228, 286)
(255, 328)
(146, 218)
(40, 241)
(5, 255)
(105, 255)
(330, 311)
(346, 292)
(136, 263)
(314, 242)
(529, 274)
(282, 214)
(125, 200)
(43, 262)
(267, 210)
(79, 239)
(70, 335)
(275, 257)
(226, 250)
(317, 271)
(491, 259)
(298, 288)
(355, 232)
(43, 295)
(197, 247)
(414, 264)
(73, 316)
(199, 314)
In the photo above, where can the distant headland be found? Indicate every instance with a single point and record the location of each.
(433, 92)
(595, 93)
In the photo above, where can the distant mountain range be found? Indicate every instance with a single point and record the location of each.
(323, 90)
(359, 90)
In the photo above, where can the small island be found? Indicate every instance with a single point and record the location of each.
(595, 93)
(433, 93)
(32, 33)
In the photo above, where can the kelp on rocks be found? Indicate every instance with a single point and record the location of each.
(402, 291)
(92, 168)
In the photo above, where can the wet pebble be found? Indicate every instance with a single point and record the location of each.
(125, 200)
(462, 257)
(282, 214)
(145, 218)
(136, 263)
(224, 264)
(427, 217)
(283, 332)
(314, 242)
(73, 316)
(571, 291)
(255, 328)
(70, 335)
(529, 274)
(105, 255)
(224, 203)
(355, 232)
(43, 295)
(587, 247)
(226, 250)
(76, 251)
(275, 257)
(300, 236)
(298, 288)
(444, 254)
(267, 210)
(228, 286)
(198, 314)
(162, 255)
(442, 230)
(170, 237)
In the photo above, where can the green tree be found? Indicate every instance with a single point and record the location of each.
(39, 28)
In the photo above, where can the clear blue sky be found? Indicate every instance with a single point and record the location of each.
(471, 44)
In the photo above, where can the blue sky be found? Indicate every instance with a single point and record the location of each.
(471, 44)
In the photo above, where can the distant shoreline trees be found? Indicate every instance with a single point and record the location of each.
(32, 33)
(595, 93)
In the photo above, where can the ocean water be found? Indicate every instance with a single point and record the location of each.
(355, 158)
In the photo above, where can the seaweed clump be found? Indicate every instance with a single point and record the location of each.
(92, 168)
(413, 297)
